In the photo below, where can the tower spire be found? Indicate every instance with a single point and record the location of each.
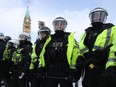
(27, 12)
(27, 20)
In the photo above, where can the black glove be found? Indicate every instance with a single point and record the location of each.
(101, 56)
(108, 78)
(41, 73)
(80, 63)
(73, 75)
(112, 71)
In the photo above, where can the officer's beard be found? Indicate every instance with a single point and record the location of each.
(97, 25)
(59, 33)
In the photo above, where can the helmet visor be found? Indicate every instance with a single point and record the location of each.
(59, 25)
(98, 16)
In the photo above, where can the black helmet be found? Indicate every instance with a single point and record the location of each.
(98, 15)
(59, 23)
(7, 38)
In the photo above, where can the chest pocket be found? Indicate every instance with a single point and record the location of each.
(18, 56)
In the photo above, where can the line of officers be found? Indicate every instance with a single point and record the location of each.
(57, 59)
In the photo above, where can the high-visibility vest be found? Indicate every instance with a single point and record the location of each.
(106, 37)
(7, 53)
(18, 56)
(72, 51)
(34, 57)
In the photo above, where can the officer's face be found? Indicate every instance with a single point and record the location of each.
(59, 25)
(22, 37)
(42, 35)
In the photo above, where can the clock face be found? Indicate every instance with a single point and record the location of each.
(27, 20)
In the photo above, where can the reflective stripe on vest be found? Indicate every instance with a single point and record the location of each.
(41, 56)
(108, 38)
(111, 62)
(99, 47)
(111, 59)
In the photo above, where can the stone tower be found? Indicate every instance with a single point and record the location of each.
(27, 22)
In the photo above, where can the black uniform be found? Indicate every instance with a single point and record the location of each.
(56, 60)
(8, 64)
(36, 80)
(21, 59)
(92, 75)
(2, 48)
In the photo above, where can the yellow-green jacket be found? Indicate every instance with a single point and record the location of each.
(106, 37)
(33, 57)
(8, 53)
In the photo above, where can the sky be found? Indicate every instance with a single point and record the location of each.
(76, 12)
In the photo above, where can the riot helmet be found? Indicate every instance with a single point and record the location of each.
(44, 32)
(98, 15)
(24, 37)
(59, 24)
(12, 43)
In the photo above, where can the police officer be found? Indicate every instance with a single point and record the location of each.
(9, 50)
(58, 56)
(2, 45)
(7, 60)
(36, 80)
(21, 59)
(96, 47)
(2, 48)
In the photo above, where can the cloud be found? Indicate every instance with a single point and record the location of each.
(11, 21)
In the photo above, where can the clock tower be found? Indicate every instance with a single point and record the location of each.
(27, 22)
